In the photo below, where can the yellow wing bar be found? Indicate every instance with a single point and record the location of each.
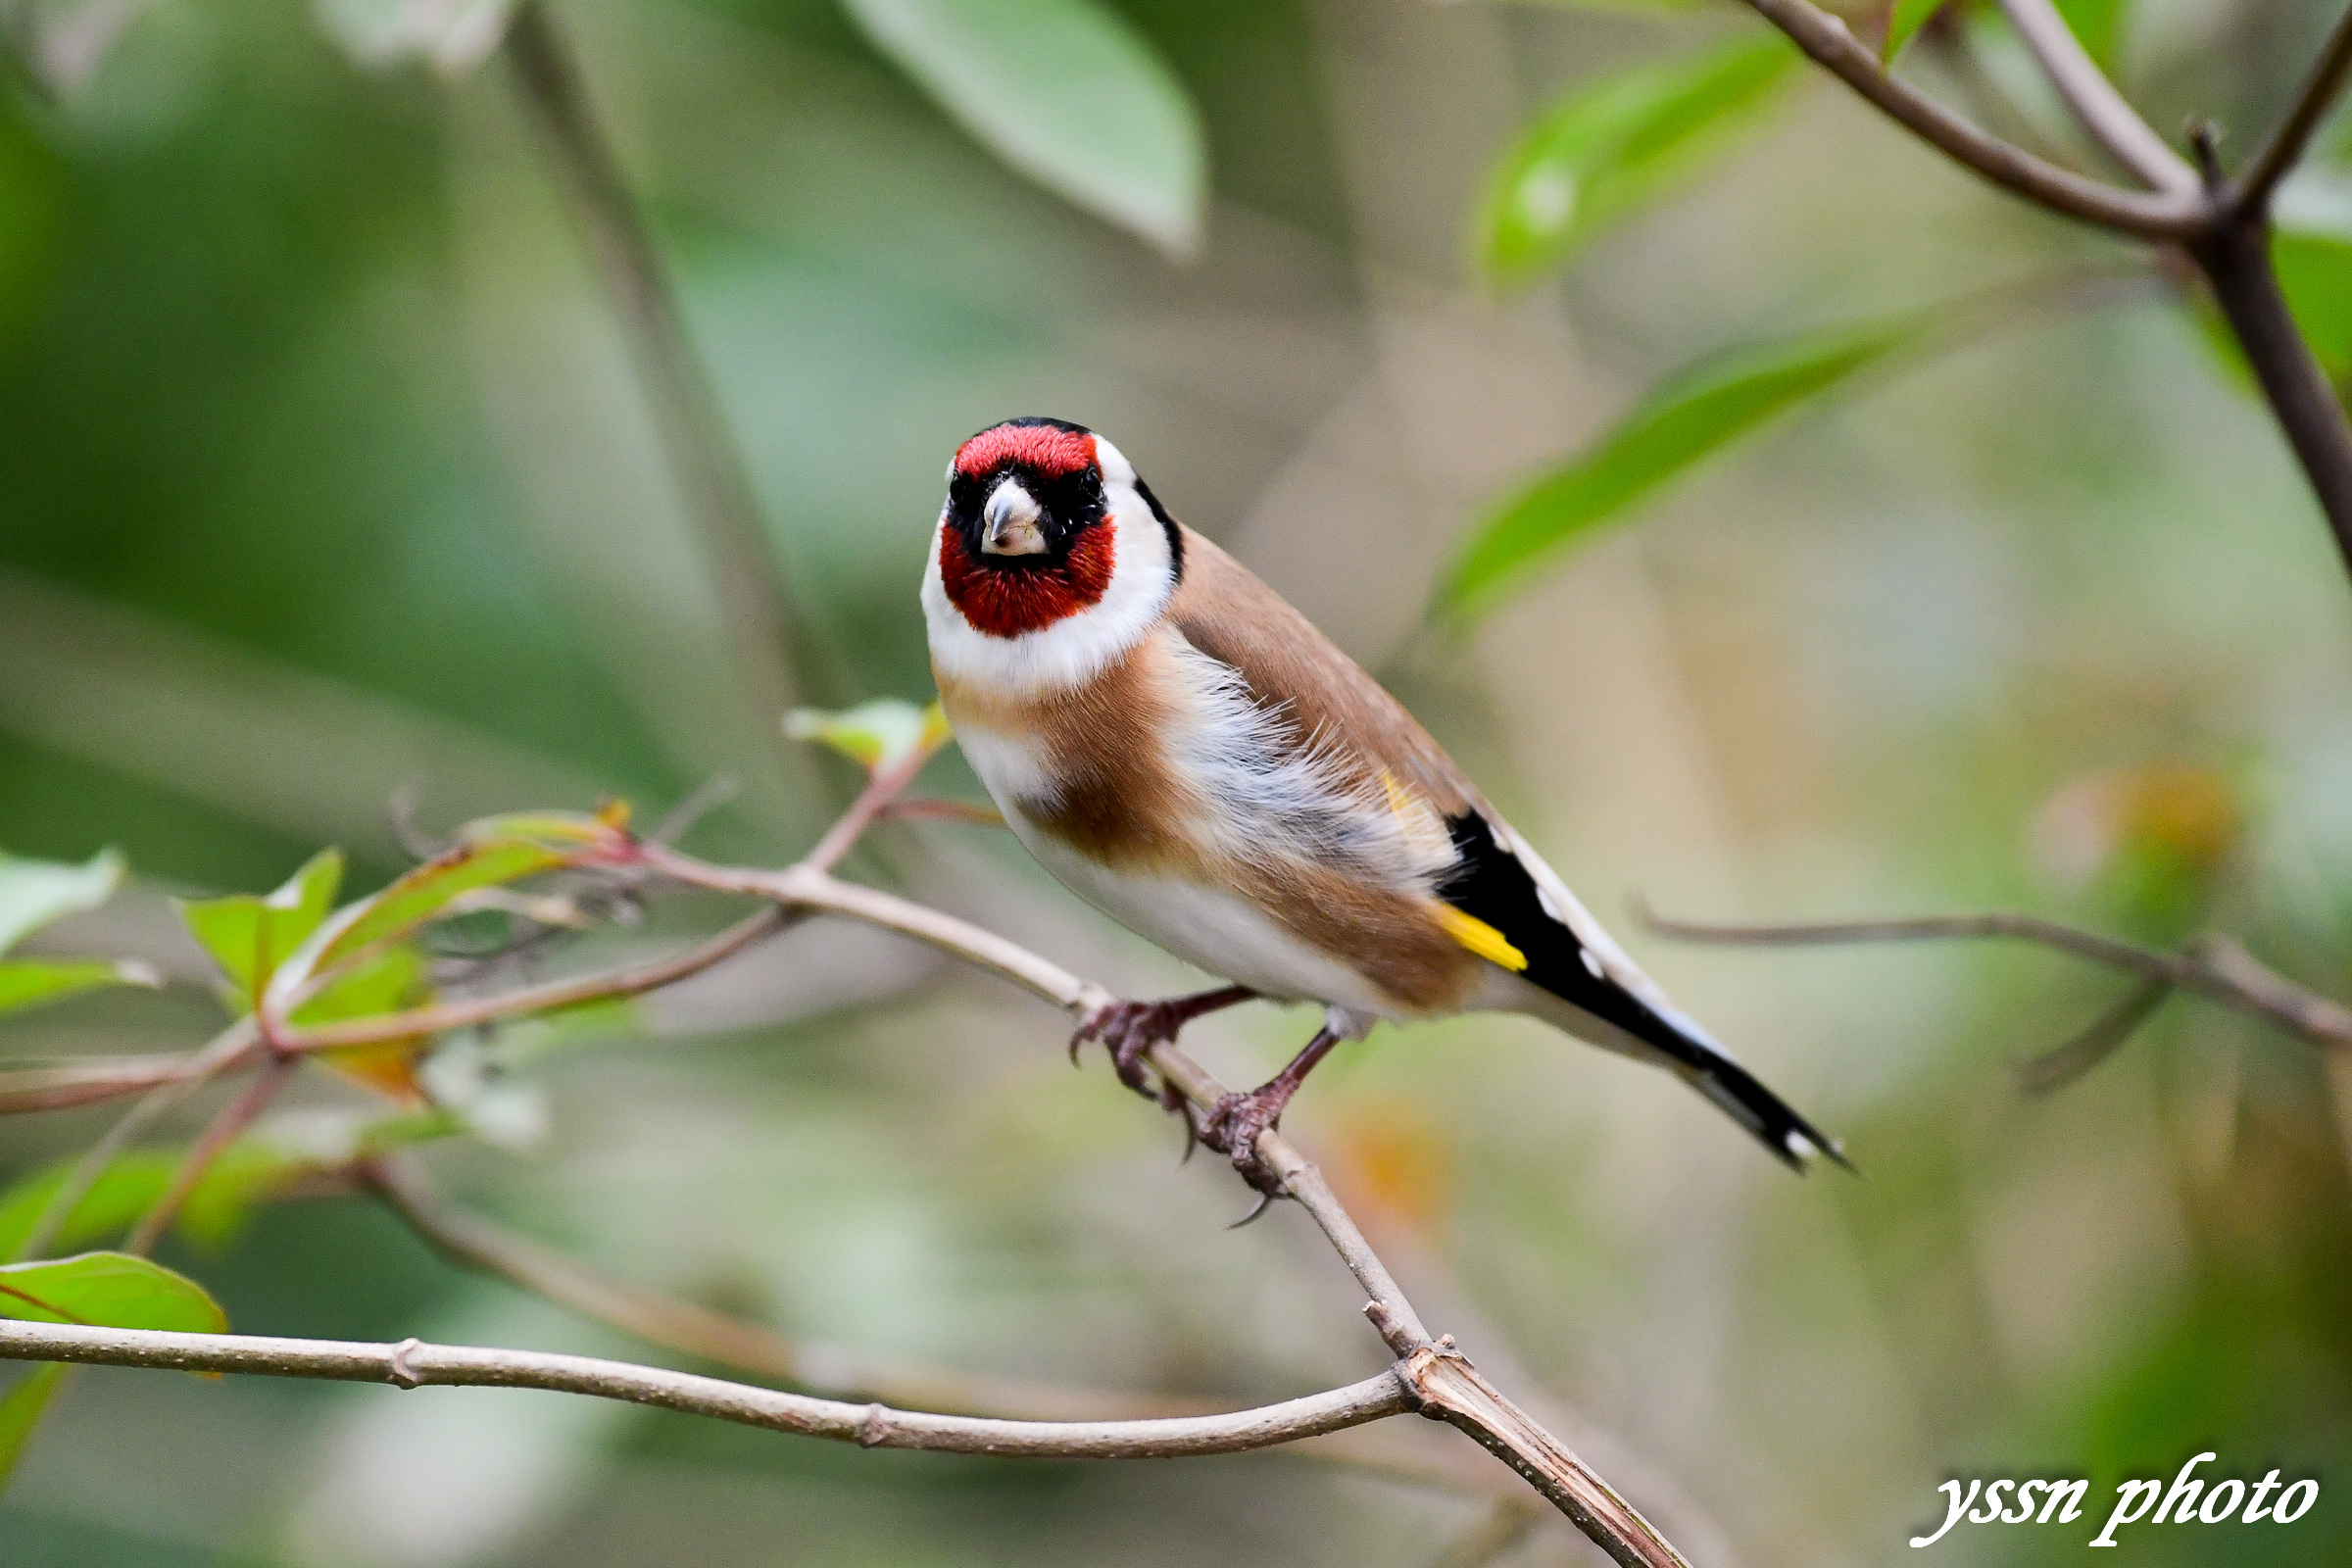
(1480, 938)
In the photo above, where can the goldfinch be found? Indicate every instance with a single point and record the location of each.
(1188, 754)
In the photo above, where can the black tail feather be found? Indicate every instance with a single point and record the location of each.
(1490, 882)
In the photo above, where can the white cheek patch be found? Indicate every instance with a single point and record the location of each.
(1077, 648)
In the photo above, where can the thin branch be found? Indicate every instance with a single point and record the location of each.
(2236, 260)
(414, 1365)
(608, 986)
(2213, 967)
(225, 1047)
(775, 653)
(2164, 215)
(224, 1130)
(2110, 121)
(2250, 195)
(2055, 1069)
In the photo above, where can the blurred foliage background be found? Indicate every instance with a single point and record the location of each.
(323, 469)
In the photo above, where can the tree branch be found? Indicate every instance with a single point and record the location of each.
(414, 1365)
(2104, 112)
(2236, 260)
(2250, 194)
(2161, 215)
(2214, 967)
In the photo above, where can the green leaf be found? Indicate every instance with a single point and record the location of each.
(1903, 23)
(1608, 148)
(391, 980)
(2099, 24)
(25, 981)
(111, 1290)
(244, 1173)
(1066, 92)
(877, 734)
(34, 892)
(250, 936)
(1688, 419)
(20, 1411)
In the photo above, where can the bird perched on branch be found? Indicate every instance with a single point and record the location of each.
(1186, 753)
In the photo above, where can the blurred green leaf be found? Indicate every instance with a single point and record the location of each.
(25, 981)
(392, 980)
(249, 936)
(1688, 419)
(34, 892)
(112, 1290)
(877, 734)
(2315, 273)
(20, 1411)
(242, 1175)
(1903, 23)
(2099, 24)
(1608, 148)
(1066, 92)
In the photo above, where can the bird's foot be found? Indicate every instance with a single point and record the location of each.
(1232, 1129)
(1130, 1029)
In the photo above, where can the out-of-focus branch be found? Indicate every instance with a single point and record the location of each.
(2212, 966)
(2250, 194)
(414, 1365)
(2104, 112)
(2150, 214)
(224, 1129)
(608, 986)
(777, 660)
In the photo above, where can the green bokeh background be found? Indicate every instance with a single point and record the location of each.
(322, 470)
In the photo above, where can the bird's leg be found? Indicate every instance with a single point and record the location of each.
(1132, 1028)
(1232, 1128)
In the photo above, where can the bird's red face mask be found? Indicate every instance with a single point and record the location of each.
(1025, 541)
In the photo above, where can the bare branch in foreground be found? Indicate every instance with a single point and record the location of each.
(2150, 214)
(2214, 967)
(2104, 112)
(414, 1365)
(2283, 148)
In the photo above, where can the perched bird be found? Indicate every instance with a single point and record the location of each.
(1186, 753)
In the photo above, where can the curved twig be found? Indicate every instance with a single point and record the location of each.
(414, 1365)
(2103, 111)
(2151, 215)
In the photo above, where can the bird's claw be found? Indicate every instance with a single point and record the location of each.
(1130, 1029)
(1232, 1129)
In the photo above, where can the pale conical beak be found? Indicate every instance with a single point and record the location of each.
(1015, 523)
